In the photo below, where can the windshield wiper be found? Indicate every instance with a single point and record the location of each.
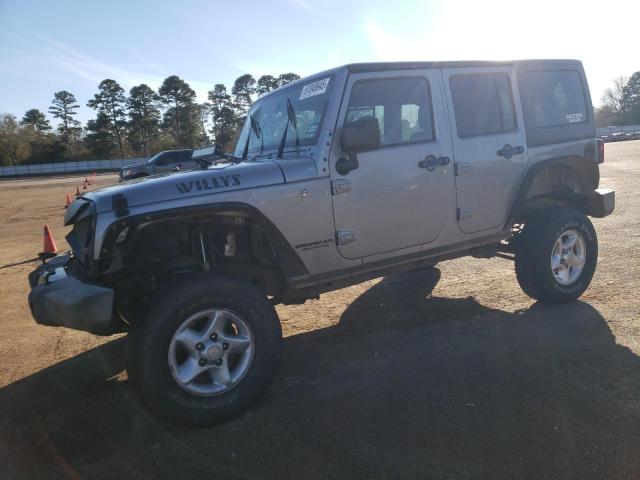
(217, 156)
(291, 119)
(255, 127)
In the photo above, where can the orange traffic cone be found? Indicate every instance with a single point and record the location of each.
(84, 186)
(93, 174)
(77, 191)
(50, 248)
(67, 201)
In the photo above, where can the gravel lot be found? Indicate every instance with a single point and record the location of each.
(379, 380)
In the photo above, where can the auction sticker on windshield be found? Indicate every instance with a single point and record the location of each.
(315, 88)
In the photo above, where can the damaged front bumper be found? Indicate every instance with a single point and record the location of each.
(59, 299)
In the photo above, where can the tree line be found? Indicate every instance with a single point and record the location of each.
(621, 103)
(140, 123)
(146, 121)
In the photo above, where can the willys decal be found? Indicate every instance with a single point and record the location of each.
(209, 183)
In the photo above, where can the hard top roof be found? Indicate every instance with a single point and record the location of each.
(380, 66)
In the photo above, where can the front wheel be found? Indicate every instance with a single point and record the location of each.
(556, 255)
(205, 351)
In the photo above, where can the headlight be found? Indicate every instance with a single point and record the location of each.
(126, 173)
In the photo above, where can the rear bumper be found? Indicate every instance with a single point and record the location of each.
(601, 202)
(57, 299)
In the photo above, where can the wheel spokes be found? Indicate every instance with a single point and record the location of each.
(563, 274)
(237, 343)
(215, 324)
(221, 374)
(188, 338)
(188, 370)
(574, 260)
(211, 351)
(570, 241)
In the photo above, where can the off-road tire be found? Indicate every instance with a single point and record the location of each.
(533, 248)
(147, 360)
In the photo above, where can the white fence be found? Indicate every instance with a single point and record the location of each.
(68, 167)
(621, 129)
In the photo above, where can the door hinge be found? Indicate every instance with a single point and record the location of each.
(345, 236)
(462, 168)
(464, 213)
(340, 186)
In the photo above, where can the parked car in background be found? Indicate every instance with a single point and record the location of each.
(166, 161)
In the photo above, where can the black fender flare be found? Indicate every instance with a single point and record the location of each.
(287, 257)
(585, 169)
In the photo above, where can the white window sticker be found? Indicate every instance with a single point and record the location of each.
(575, 117)
(315, 88)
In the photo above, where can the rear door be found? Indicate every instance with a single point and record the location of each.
(394, 200)
(489, 143)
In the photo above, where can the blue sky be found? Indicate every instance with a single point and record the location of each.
(53, 45)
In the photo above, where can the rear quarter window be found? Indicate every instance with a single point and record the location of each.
(556, 98)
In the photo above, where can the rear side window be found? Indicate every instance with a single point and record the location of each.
(556, 97)
(401, 105)
(185, 156)
(482, 104)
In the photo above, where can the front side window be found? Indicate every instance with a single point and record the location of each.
(482, 104)
(556, 97)
(309, 101)
(402, 107)
(166, 159)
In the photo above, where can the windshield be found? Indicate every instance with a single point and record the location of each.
(152, 159)
(309, 101)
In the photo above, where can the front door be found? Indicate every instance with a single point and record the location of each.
(401, 193)
(489, 143)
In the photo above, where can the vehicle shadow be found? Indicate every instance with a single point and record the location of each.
(405, 386)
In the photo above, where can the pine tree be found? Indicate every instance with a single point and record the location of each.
(144, 117)
(36, 120)
(110, 101)
(63, 107)
(266, 83)
(225, 120)
(631, 100)
(100, 139)
(179, 98)
(243, 91)
(286, 78)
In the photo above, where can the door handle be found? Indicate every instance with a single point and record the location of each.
(431, 162)
(508, 151)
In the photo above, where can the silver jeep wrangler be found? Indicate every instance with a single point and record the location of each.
(341, 177)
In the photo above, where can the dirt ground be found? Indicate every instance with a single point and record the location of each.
(379, 380)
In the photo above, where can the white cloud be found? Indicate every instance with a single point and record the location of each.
(500, 30)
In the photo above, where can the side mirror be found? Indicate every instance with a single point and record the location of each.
(359, 136)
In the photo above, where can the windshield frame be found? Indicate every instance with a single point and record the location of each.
(286, 93)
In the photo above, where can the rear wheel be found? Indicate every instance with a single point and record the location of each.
(556, 255)
(205, 351)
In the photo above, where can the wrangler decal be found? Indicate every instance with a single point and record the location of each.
(209, 183)
(313, 245)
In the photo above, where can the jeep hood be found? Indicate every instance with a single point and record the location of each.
(193, 183)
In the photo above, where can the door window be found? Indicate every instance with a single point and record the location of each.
(402, 107)
(166, 159)
(482, 104)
